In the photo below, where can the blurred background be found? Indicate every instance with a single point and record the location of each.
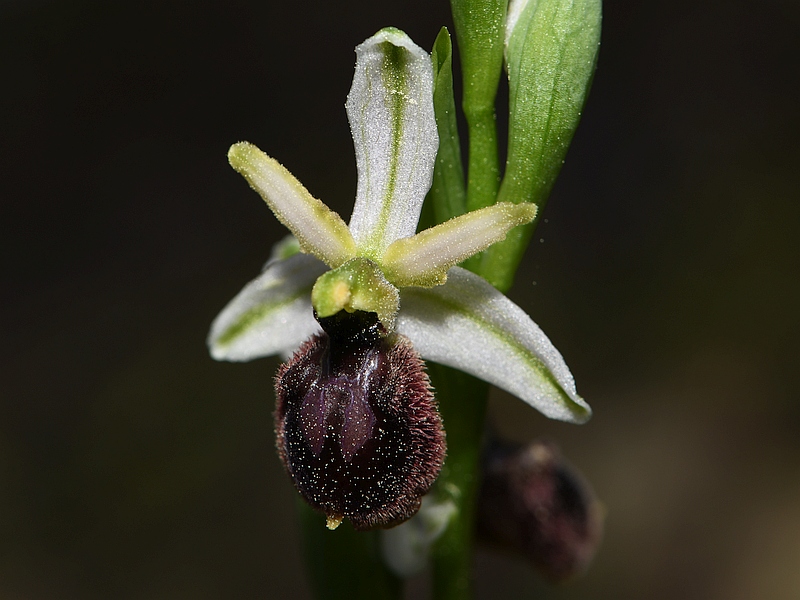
(666, 270)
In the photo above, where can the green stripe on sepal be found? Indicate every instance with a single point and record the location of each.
(390, 108)
(467, 324)
(272, 313)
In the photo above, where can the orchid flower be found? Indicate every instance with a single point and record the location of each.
(379, 265)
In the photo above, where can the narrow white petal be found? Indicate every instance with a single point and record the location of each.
(467, 324)
(390, 107)
(423, 259)
(272, 313)
(319, 230)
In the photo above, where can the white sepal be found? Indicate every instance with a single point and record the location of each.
(467, 324)
(390, 108)
(272, 314)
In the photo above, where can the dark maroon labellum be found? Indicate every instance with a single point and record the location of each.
(356, 422)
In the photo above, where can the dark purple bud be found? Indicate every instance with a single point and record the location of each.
(357, 425)
(535, 503)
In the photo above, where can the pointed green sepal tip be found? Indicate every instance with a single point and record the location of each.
(356, 285)
(319, 230)
(391, 31)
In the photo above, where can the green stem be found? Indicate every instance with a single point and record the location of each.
(483, 170)
(345, 563)
(480, 26)
(462, 403)
(498, 264)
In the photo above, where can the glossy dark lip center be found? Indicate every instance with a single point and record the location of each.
(337, 406)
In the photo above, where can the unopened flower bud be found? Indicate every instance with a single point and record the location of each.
(535, 503)
(357, 424)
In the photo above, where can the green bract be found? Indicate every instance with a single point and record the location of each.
(447, 194)
(551, 50)
(378, 264)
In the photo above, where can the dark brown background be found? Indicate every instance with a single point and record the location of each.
(132, 466)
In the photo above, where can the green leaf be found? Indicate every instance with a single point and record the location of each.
(551, 53)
